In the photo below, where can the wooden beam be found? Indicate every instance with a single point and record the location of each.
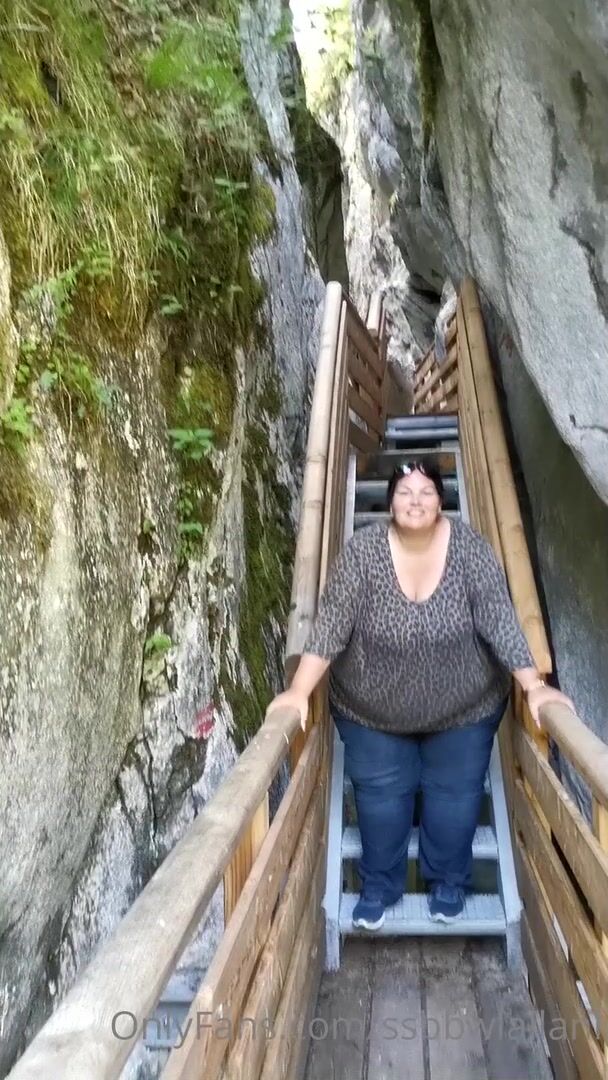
(308, 545)
(297, 1067)
(334, 482)
(225, 984)
(574, 836)
(134, 964)
(470, 410)
(363, 342)
(374, 315)
(425, 366)
(364, 376)
(600, 828)
(246, 1056)
(582, 747)
(517, 559)
(443, 390)
(562, 1060)
(372, 417)
(238, 869)
(441, 371)
(286, 1030)
(581, 1040)
(585, 949)
(361, 440)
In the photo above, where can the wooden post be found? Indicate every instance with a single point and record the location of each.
(308, 547)
(600, 828)
(517, 559)
(237, 871)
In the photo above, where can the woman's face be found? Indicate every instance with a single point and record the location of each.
(416, 502)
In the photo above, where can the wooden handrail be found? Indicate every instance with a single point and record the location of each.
(130, 970)
(363, 353)
(582, 747)
(308, 545)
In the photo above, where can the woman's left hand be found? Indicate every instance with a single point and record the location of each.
(546, 695)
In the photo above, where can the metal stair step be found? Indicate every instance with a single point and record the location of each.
(172, 1009)
(376, 489)
(483, 915)
(365, 517)
(484, 843)
(423, 420)
(382, 463)
(402, 435)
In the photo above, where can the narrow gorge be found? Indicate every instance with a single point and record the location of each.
(178, 180)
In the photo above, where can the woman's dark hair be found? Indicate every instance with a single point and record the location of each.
(424, 465)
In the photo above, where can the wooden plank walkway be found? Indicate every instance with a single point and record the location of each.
(425, 1009)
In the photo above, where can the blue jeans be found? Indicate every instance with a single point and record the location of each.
(387, 770)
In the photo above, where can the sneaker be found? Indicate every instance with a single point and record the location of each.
(446, 902)
(368, 913)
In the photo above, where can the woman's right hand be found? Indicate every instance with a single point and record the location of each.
(291, 699)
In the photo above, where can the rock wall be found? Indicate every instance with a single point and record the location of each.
(568, 526)
(361, 127)
(497, 121)
(145, 587)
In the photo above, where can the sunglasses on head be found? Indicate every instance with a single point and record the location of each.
(412, 466)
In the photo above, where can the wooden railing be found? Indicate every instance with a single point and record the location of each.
(436, 387)
(263, 978)
(561, 858)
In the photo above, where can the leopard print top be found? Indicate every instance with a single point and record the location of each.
(407, 666)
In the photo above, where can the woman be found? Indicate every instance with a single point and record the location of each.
(419, 632)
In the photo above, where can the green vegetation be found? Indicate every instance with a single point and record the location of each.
(428, 59)
(429, 67)
(16, 425)
(127, 137)
(51, 354)
(339, 60)
(128, 194)
(270, 548)
(157, 644)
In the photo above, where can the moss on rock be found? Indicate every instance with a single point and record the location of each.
(127, 151)
(270, 549)
(408, 13)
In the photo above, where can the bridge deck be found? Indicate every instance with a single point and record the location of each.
(425, 1009)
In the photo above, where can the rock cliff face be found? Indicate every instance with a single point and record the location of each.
(143, 577)
(477, 131)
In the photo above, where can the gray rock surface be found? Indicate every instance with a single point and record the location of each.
(569, 526)
(510, 184)
(524, 157)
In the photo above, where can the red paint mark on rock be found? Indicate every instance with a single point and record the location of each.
(205, 722)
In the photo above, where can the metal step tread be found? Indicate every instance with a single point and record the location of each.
(483, 914)
(348, 785)
(373, 488)
(378, 464)
(416, 420)
(438, 431)
(484, 843)
(372, 517)
(402, 446)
